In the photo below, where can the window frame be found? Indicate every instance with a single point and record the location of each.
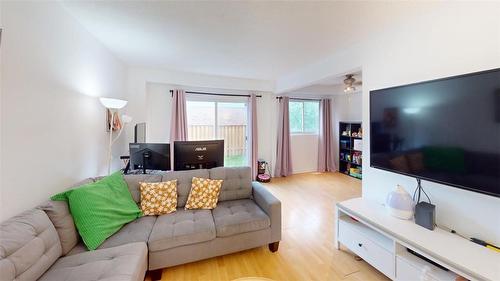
(302, 132)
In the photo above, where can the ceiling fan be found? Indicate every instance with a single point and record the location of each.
(350, 83)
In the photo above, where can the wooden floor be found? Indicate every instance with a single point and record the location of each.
(306, 251)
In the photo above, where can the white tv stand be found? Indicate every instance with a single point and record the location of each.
(383, 240)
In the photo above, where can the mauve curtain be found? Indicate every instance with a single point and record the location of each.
(178, 121)
(283, 165)
(253, 134)
(326, 161)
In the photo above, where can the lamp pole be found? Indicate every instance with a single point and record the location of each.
(125, 120)
(113, 105)
(110, 154)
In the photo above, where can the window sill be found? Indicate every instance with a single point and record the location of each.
(304, 134)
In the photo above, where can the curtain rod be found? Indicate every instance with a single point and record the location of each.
(279, 98)
(215, 94)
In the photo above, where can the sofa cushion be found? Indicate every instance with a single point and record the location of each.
(79, 248)
(181, 228)
(59, 214)
(158, 198)
(184, 182)
(237, 182)
(239, 216)
(29, 245)
(204, 194)
(126, 262)
(112, 207)
(135, 231)
(133, 183)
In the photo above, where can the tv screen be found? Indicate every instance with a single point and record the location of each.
(189, 155)
(150, 156)
(445, 130)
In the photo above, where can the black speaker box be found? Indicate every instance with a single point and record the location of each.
(425, 215)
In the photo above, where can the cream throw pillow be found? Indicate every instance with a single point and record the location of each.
(158, 198)
(204, 194)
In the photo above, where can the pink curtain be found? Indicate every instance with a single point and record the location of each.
(253, 134)
(178, 121)
(326, 161)
(283, 165)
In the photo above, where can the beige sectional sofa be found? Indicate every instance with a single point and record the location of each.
(43, 243)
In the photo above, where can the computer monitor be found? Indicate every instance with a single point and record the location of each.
(189, 155)
(150, 156)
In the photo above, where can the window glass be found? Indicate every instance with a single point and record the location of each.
(304, 116)
(201, 120)
(295, 111)
(232, 128)
(311, 116)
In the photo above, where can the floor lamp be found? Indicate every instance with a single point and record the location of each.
(113, 105)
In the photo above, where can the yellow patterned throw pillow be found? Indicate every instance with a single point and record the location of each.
(158, 198)
(204, 194)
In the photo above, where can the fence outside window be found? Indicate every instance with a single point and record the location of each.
(234, 136)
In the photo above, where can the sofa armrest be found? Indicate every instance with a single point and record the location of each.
(271, 206)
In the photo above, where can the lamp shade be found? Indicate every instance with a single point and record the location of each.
(113, 103)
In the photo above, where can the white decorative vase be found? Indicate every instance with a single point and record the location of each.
(400, 204)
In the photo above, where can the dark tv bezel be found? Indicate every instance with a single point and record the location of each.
(146, 144)
(377, 91)
(219, 142)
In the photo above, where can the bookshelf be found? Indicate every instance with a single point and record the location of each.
(350, 149)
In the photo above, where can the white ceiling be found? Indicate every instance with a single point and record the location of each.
(339, 80)
(329, 86)
(317, 91)
(250, 39)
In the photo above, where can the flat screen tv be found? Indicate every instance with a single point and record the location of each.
(445, 130)
(190, 155)
(150, 156)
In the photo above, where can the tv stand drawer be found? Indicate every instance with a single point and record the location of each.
(363, 244)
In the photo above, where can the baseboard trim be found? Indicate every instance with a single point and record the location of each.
(304, 171)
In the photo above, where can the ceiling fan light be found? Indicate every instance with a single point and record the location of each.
(349, 79)
(349, 83)
(349, 89)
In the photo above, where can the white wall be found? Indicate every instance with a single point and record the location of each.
(267, 111)
(345, 108)
(158, 110)
(454, 38)
(1, 114)
(52, 124)
(304, 153)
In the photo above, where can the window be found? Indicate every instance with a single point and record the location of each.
(304, 117)
(201, 120)
(208, 120)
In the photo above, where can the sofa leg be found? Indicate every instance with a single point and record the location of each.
(155, 274)
(273, 247)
